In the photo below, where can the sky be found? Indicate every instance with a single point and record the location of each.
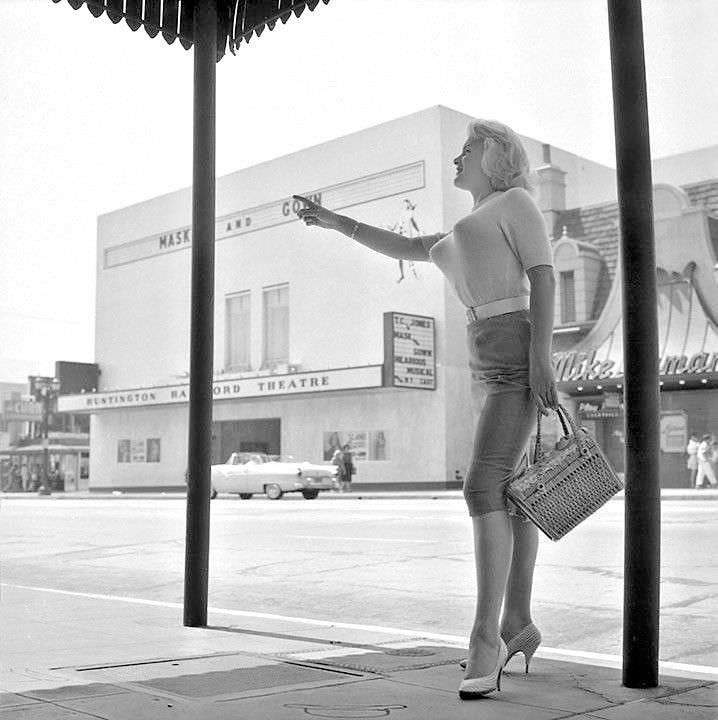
(94, 117)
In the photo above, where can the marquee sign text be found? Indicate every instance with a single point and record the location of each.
(369, 376)
(409, 351)
(574, 366)
(387, 183)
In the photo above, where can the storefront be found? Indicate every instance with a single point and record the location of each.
(68, 465)
(590, 373)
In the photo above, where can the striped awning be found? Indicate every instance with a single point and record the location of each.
(238, 20)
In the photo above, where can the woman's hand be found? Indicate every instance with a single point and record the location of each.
(543, 384)
(314, 214)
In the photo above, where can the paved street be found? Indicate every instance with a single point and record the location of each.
(401, 563)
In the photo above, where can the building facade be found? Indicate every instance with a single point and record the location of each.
(588, 339)
(318, 340)
(34, 435)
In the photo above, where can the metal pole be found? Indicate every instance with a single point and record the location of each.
(640, 343)
(45, 489)
(202, 324)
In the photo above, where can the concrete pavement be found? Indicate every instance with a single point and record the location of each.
(79, 655)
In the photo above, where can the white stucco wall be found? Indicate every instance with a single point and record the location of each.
(687, 167)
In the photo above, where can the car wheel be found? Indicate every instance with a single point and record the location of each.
(310, 494)
(245, 496)
(212, 494)
(274, 492)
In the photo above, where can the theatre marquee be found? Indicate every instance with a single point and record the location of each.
(355, 378)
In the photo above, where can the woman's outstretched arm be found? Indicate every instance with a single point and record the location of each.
(382, 241)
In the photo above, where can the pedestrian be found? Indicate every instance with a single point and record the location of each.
(24, 477)
(15, 478)
(338, 460)
(692, 458)
(333, 444)
(498, 260)
(348, 469)
(34, 476)
(705, 469)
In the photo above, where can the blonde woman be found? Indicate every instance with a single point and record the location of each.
(498, 260)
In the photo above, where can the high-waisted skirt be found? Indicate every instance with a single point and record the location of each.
(499, 362)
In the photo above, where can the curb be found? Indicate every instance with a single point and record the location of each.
(666, 495)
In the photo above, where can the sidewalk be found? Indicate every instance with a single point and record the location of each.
(73, 655)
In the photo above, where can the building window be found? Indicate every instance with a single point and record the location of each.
(123, 451)
(568, 297)
(154, 453)
(238, 331)
(363, 444)
(276, 326)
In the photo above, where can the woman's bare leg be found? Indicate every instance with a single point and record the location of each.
(517, 604)
(493, 540)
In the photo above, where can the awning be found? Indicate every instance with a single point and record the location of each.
(238, 20)
(688, 337)
(687, 307)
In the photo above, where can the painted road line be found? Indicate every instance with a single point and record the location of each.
(583, 657)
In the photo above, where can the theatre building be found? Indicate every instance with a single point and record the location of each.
(319, 341)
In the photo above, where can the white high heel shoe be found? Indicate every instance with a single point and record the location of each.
(525, 642)
(473, 688)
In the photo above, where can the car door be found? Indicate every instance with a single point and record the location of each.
(239, 474)
(229, 475)
(221, 480)
(255, 477)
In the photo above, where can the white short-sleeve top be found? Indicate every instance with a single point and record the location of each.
(486, 255)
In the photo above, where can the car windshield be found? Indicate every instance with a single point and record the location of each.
(243, 458)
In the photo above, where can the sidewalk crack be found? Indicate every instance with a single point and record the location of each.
(58, 704)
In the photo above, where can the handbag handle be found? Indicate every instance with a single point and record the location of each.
(563, 416)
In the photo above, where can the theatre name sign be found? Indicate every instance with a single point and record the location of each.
(354, 378)
(574, 366)
(387, 183)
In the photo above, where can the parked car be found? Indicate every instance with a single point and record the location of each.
(250, 474)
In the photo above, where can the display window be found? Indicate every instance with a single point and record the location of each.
(364, 444)
(684, 414)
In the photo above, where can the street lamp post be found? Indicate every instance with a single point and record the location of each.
(642, 563)
(46, 390)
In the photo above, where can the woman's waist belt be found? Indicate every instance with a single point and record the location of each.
(497, 307)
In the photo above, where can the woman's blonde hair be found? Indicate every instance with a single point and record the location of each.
(505, 161)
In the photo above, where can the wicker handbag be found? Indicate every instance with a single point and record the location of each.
(566, 485)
